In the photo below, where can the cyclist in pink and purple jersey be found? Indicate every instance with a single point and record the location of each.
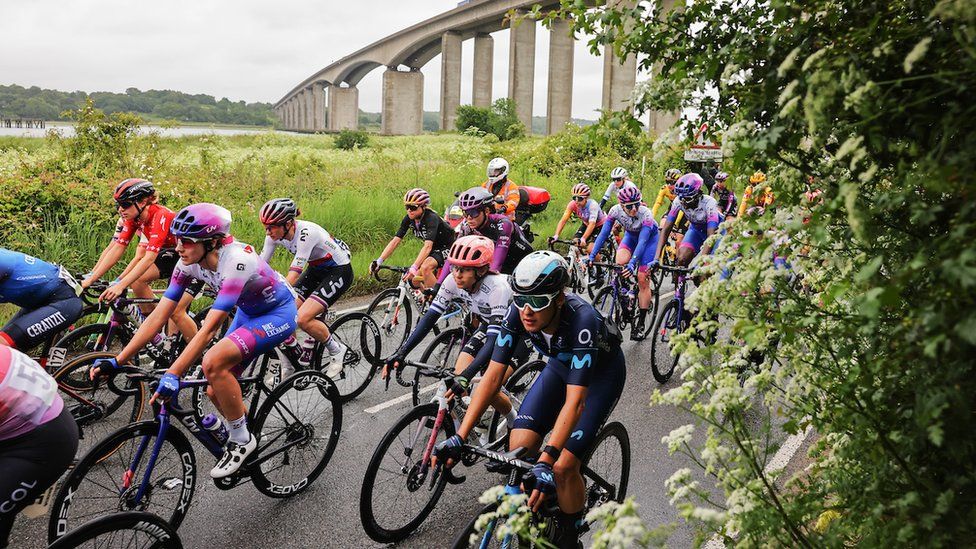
(703, 218)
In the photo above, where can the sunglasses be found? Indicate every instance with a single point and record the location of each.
(616, 179)
(187, 242)
(125, 204)
(579, 198)
(472, 213)
(534, 302)
(411, 207)
(460, 269)
(631, 206)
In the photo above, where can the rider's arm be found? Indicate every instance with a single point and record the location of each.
(663, 236)
(112, 256)
(602, 237)
(140, 252)
(658, 202)
(269, 249)
(563, 220)
(746, 197)
(424, 326)
(502, 245)
(138, 268)
(648, 231)
(395, 241)
(210, 328)
(511, 199)
(606, 195)
(710, 228)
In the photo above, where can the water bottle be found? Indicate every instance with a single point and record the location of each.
(215, 427)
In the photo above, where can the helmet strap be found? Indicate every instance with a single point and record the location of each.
(555, 317)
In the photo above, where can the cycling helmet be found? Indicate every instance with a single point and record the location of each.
(416, 197)
(133, 189)
(278, 211)
(201, 222)
(672, 175)
(618, 173)
(475, 197)
(454, 215)
(471, 251)
(688, 185)
(497, 170)
(540, 273)
(581, 189)
(721, 176)
(757, 178)
(629, 195)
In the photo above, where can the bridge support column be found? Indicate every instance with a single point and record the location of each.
(293, 114)
(403, 102)
(450, 79)
(309, 102)
(559, 109)
(288, 118)
(318, 95)
(484, 53)
(619, 75)
(521, 69)
(661, 121)
(343, 108)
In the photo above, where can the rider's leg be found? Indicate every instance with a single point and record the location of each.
(429, 269)
(181, 319)
(142, 290)
(525, 438)
(224, 390)
(308, 321)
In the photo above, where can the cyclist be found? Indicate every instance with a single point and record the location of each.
(587, 211)
(703, 216)
(265, 317)
(140, 214)
(510, 243)
(38, 435)
(436, 234)
(637, 247)
(320, 272)
(46, 295)
(619, 180)
(751, 201)
(724, 196)
(499, 185)
(487, 295)
(573, 395)
(667, 190)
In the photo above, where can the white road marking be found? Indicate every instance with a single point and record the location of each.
(393, 402)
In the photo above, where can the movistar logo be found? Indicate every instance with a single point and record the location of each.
(578, 435)
(580, 363)
(504, 340)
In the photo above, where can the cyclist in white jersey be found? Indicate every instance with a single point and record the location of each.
(619, 180)
(320, 272)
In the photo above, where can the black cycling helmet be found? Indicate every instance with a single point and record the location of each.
(133, 190)
(278, 211)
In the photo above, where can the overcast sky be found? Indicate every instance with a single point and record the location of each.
(245, 49)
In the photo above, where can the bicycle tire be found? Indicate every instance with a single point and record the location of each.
(277, 402)
(609, 308)
(157, 533)
(662, 361)
(463, 539)
(91, 338)
(361, 360)
(106, 462)
(385, 533)
(448, 347)
(390, 328)
(615, 430)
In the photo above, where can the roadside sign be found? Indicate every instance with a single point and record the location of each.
(703, 150)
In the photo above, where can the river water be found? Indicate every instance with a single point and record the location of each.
(178, 131)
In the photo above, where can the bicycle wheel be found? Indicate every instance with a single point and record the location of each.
(393, 316)
(360, 334)
(442, 352)
(299, 423)
(609, 307)
(608, 466)
(517, 387)
(662, 361)
(97, 409)
(485, 537)
(130, 529)
(108, 477)
(87, 339)
(397, 494)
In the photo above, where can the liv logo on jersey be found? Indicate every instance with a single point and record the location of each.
(580, 363)
(504, 340)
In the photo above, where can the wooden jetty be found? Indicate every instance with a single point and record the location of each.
(6, 122)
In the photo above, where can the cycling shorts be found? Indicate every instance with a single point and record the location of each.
(257, 335)
(694, 238)
(31, 463)
(325, 285)
(475, 343)
(629, 242)
(31, 327)
(545, 399)
(440, 256)
(166, 263)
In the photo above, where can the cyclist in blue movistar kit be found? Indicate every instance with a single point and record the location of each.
(46, 295)
(266, 316)
(573, 395)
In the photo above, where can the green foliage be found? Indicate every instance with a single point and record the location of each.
(351, 139)
(867, 340)
(499, 120)
(35, 102)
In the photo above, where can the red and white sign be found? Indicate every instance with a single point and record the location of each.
(703, 150)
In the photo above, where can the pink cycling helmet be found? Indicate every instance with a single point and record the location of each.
(629, 195)
(471, 251)
(416, 197)
(201, 222)
(581, 189)
(688, 185)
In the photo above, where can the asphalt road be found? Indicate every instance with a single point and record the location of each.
(327, 514)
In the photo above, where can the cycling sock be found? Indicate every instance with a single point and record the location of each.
(567, 529)
(332, 345)
(641, 315)
(238, 430)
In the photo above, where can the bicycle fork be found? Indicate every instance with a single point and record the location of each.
(129, 474)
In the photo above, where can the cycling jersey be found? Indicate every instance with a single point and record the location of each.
(510, 244)
(588, 212)
(751, 200)
(705, 215)
(509, 191)
(640, 234)
(429, 227)
(155, 228)
(312, 245)
(583, 351)
(27, 281)
(613, 190)
(727, 202)
(28, 395)
(242, 278)
(666, 192)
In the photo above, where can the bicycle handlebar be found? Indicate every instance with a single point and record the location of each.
(675, 270)
(424, 369)
(399, 270)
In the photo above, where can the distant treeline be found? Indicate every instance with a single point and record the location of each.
(34, 102)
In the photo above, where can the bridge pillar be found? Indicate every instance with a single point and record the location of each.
(619, 75)
(484, 53)
(288, 117)
(661, 121)
(293, 113)
(318, 94)
(521, 68)
(343, 108)
(403, 102)
(308, 102)
(559, 108)
(450, 79)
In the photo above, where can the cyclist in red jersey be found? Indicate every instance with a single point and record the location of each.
(154, 260)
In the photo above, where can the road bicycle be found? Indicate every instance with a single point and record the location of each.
(401, 488)
(606, 474)
(617, 302)
(581, 278)
(674, 319)
(394, 314)
(131, 529)
(151, 465)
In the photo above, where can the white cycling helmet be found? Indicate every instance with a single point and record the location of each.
(541, 272)
(618, 173)
(497, 170)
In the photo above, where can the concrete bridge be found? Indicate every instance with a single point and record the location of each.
(329, 99)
